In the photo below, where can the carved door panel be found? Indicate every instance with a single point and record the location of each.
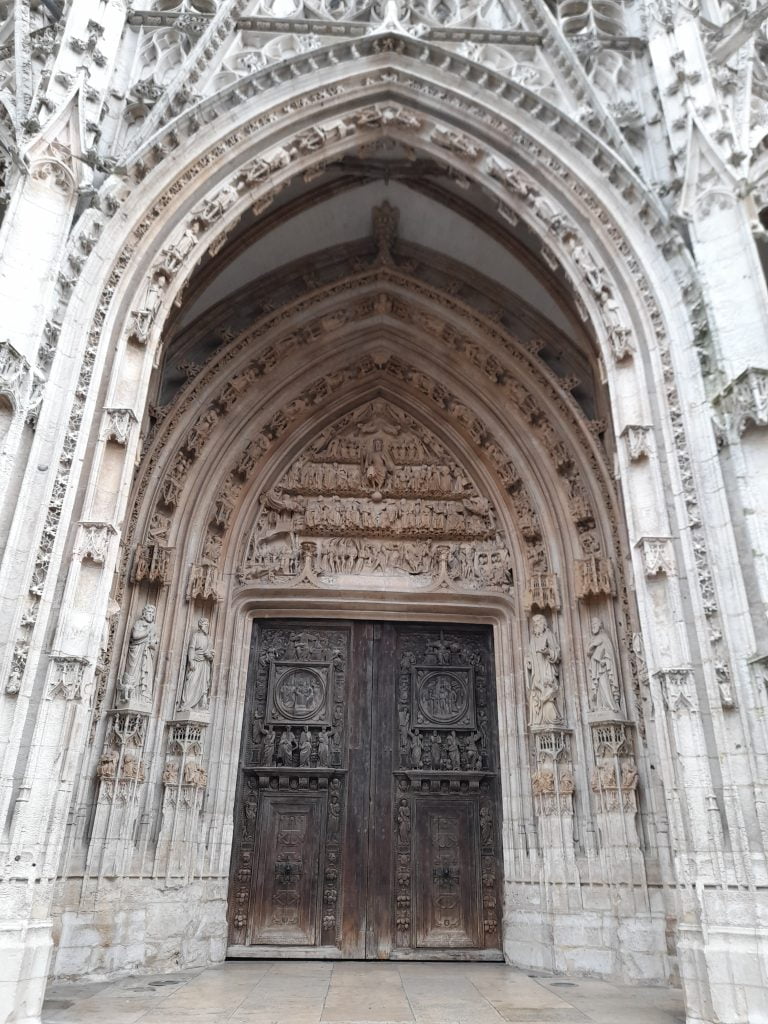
(366, 819)
(447, 897)
(439, 787)
(286, 871)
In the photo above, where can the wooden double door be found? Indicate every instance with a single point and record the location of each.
(368, 805)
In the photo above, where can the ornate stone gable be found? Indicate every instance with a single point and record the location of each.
(377, 495)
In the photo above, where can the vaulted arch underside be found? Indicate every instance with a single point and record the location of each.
(358, 414)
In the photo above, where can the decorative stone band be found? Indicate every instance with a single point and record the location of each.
(638, 441)
(658, 556)
(741, 404)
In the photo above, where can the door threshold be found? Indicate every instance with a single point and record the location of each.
(283, 953)
(466, 955)
(334, 953)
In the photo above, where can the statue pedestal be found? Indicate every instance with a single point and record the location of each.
(198, 716)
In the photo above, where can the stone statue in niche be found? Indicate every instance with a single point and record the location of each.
(376, 466)
(324, 748)
(542, 665)
(403, 823)
(196, 688)
(305, 748)
(417, 749)
(472, 752)
(139, 670)
(268, 745)
(604, 693)
(452, 751)
(436, 751)
(286, 747)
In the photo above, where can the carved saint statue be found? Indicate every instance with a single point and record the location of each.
(139, 669)
(376, 464)
(604, 694)
(269, 743)
(403, 823)
(542, 666)
(286, 747)
(436, 751)
(324, 748)
(417, 749)
(452, 751)
(197, 676)
(305, 747)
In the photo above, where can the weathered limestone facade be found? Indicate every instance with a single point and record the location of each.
(517, 242)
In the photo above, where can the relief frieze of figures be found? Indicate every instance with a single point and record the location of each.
(298, 717)
(442, 704)
(378, 493)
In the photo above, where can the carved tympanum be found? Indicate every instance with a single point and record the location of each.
(379, 495)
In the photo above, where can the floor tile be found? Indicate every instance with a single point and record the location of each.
(320, 992)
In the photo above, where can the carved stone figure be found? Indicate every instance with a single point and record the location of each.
(486, 825)
(107, 767)
(286, 747)
(305, 747)
(435, 751)
(417, 750)
(472, 752)
(452, 751)
(324, 748)
(403, 823)
(543, 670)
(604, 694)
(139, 669)
(268, 744)
(196, 687)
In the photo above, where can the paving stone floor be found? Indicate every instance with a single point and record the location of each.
(284, 992)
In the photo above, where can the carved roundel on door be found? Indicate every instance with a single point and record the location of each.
(298, 692)
(443, 698)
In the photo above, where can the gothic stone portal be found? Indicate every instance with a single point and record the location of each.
(368, 799)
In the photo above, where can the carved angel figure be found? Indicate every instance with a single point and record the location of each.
(197, 676)
(139, 669)
(542, 666)
(604, 692)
